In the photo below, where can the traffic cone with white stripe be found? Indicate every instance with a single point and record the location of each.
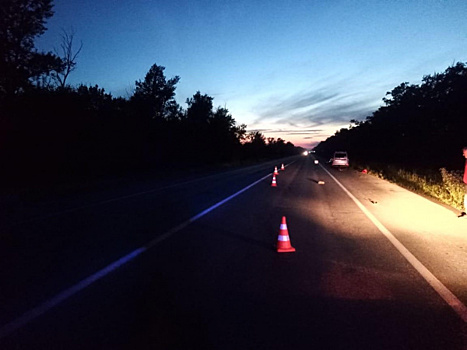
(283, 240)
(282, 167)
(275, 171)
(273, 183)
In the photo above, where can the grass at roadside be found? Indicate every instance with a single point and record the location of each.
(444, 185)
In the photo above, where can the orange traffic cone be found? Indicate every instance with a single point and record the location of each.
(275, 171)
(283, 240)
(282, 167)
(274, 183)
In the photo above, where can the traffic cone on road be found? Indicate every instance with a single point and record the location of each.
(283, 240)
(275, 171)
(282, 167)
(274, 183)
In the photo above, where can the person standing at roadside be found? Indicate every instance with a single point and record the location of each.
(464, 152)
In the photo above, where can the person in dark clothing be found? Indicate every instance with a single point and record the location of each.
(463, 214)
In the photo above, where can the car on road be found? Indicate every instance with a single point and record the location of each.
(340, 159)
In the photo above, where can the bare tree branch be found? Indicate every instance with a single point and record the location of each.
(67, 55)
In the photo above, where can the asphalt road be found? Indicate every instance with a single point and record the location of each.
(158, 265)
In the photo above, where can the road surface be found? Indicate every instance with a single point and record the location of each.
(191, 263)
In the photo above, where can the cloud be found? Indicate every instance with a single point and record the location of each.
(334, 103)
(312, 115)
(296, 132)
(260, 130)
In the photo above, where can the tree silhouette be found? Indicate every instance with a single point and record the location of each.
(68, 57)
(100, 135)
(199, 108)
(21, 22)
(155, 93)
(419, 126)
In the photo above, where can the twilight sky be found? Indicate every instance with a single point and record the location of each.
(298, 70)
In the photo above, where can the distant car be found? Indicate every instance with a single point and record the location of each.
(340, 159)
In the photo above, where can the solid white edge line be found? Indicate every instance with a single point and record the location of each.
(434, 282)
(41, 309)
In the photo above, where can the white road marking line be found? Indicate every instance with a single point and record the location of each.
(41, 309)
(434, 282)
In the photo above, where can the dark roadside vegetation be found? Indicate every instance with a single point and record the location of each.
(57, 137)
(415, 139)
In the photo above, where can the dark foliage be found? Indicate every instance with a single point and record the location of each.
(420, 126)
(52, 133)
(63, 134)
(21, 21)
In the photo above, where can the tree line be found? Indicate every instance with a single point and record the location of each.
(419, 126)
(51, 130)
